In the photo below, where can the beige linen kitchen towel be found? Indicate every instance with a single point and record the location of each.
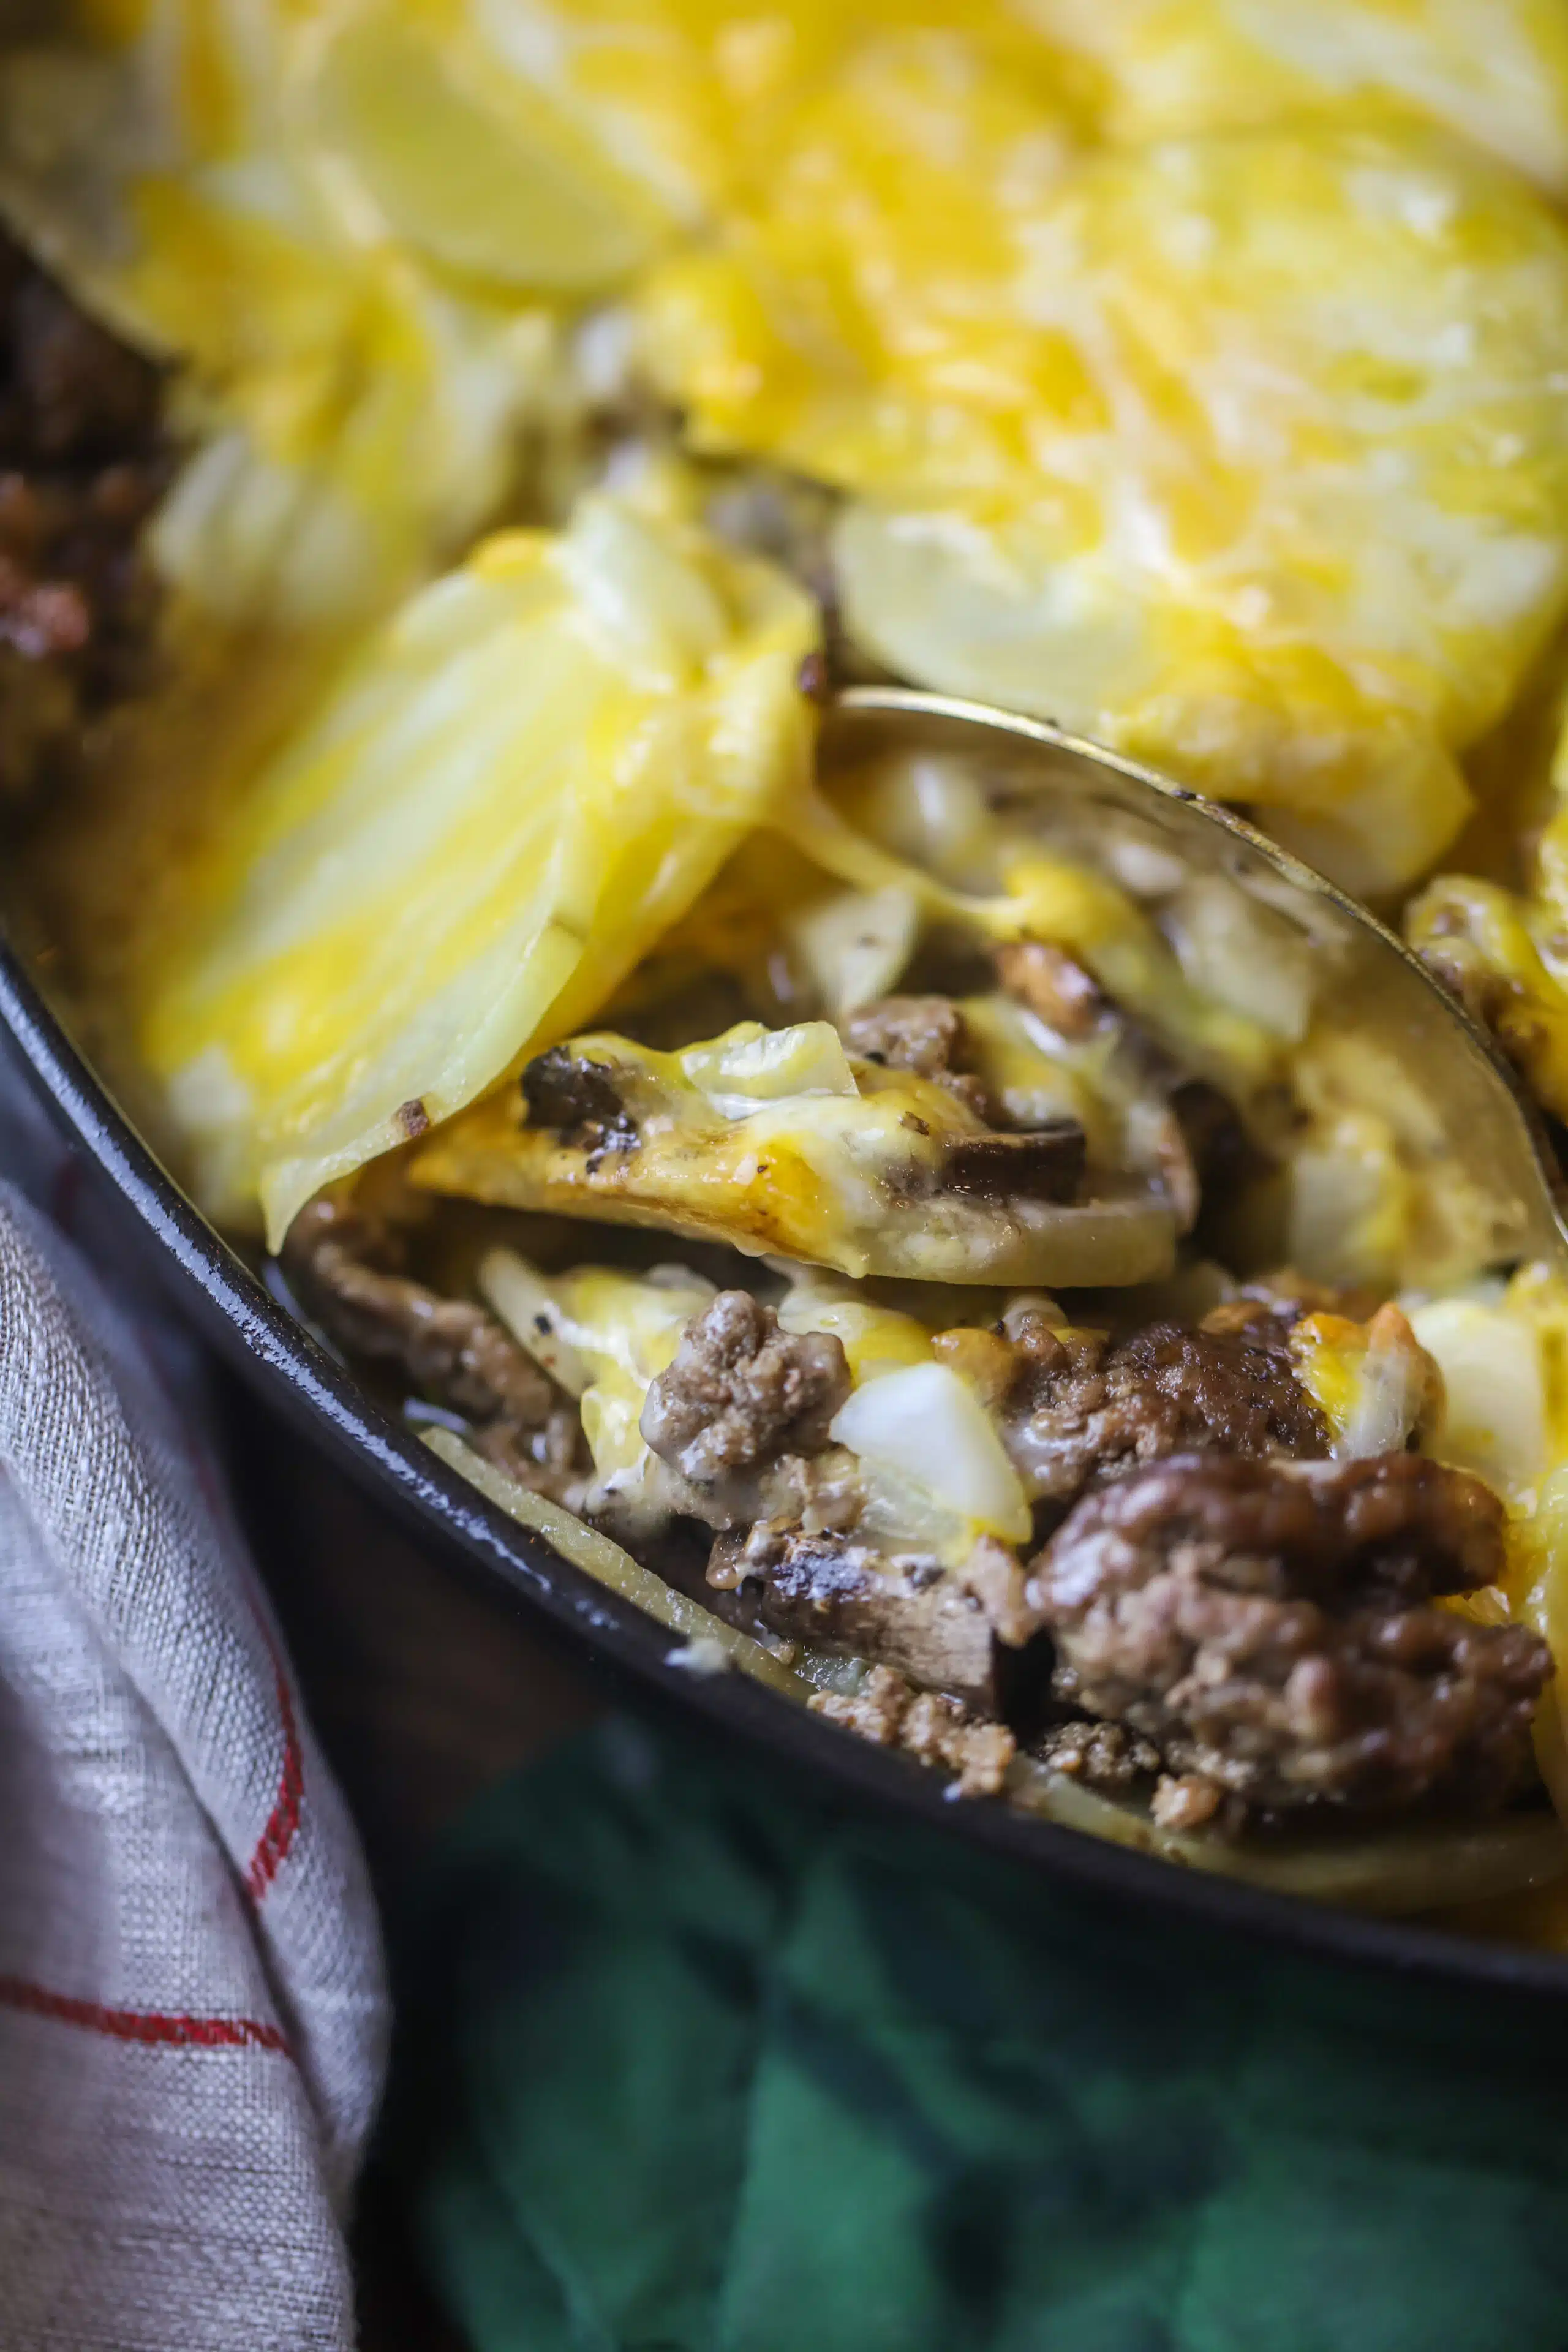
(193, 2016)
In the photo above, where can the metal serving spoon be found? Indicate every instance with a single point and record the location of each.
(1484, 1143)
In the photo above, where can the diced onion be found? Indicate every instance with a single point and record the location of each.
(855, 944)
(927, 1426)
(1490, 1361)
(750, 1066)
(1242, 954)
(527, 1304)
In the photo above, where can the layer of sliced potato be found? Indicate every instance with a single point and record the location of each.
(1248, 452)
(508, 794)
(1495, 71)
(777, 1143)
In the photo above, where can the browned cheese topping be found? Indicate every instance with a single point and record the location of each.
(1268, 1624)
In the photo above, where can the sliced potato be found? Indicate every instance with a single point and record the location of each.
(513, 789)
(1395, 1867)
(598, 1556)
(778, 1143)
(1496, 72)
(1242, 452)
(469, 164)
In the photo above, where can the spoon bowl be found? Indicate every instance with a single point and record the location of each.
(1479, 1135)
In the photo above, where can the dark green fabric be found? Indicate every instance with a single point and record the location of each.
(695, 2064)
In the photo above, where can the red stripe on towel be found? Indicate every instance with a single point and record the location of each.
(144, 2025)
(284, 1818)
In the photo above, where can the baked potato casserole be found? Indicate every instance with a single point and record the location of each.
(942, 1251)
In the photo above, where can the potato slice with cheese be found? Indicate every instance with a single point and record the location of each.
(1496, 72)
(1375, 1384)
(1243, 452)
(776, 1142)
(501, 804)
(930, 1469)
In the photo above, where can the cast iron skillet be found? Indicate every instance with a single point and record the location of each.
(322, 1400)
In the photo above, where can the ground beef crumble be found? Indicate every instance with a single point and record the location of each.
(928, 1036)
(347, 1269)
(890, 1713)
(1052, 986)
(82, 464)
(924, 1035)
(1083, 1408)
(1115, 1762)
(1186, 1800)
(1267, 1625)
(1104, 1756)
(741, 1394)
(940, 1629)
(1193, 1139)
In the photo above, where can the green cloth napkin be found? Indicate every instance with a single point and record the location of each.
(696, 2062)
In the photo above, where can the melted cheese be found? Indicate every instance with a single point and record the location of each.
(605, 1337)
(1506, 950)
(777, 1142)
(498, 806)
(1245, 452)
(1019, 882)
(1496, 72)
(932, 1470)
(1504, 1355)
(1373, 1382)
(366, 227)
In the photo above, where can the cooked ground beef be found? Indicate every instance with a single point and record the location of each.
(1186, 1802)
(741, 1395)
(925, 1034)
(1104, 1756)
(1080, 1408)
(1192, 1138)
(82, 463)
(1267, 1625)
(940, 1630)
(889, 1712)
(347, 1270)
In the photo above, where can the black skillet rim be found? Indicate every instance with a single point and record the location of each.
(320, 1398)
